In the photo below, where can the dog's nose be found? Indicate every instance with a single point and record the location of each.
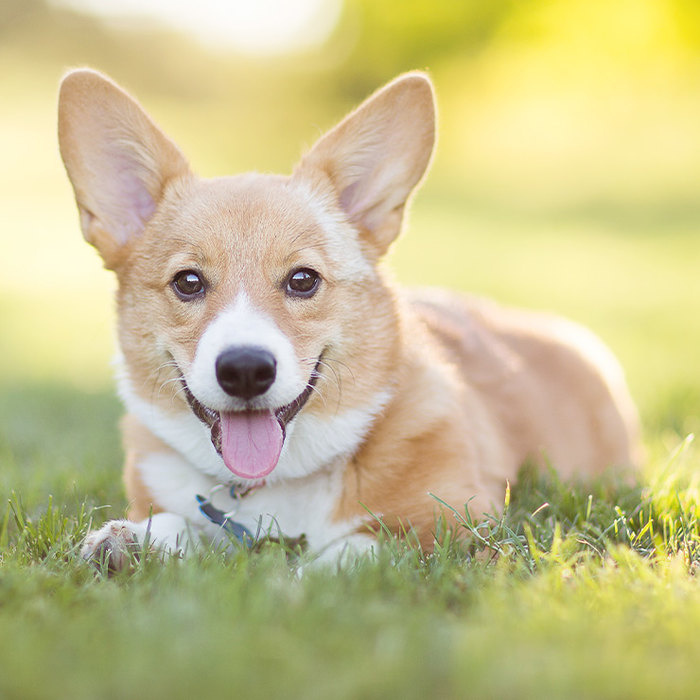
(246, 372)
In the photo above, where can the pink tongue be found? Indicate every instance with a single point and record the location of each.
(251, 442)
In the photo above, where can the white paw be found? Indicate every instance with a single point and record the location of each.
(114, 546)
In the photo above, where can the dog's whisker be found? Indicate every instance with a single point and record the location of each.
(175, 380)
(334, 372)
(160, 386)
(342, 364)
(171, 379)
(319, 392)
(336, 378)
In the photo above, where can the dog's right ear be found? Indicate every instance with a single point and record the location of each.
(376, 157)
(117, 159)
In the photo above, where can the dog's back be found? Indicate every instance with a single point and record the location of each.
(553, 387)
(479, 391)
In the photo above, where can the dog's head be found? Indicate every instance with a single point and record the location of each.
(253, 297)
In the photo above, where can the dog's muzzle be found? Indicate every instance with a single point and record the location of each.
(249, 442)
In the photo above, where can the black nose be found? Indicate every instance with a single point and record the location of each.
(246, 372)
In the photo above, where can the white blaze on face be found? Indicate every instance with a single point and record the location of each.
(251, 435)
(241, 325)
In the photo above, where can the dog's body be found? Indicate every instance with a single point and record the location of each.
(262, 348)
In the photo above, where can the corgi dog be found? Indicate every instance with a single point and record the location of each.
(275, 380)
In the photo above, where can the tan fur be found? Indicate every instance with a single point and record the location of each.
(506, 390)
(139, 442)
(476, 390)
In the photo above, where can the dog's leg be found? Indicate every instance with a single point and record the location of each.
(118, 542)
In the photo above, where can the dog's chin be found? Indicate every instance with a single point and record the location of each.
(250, 441)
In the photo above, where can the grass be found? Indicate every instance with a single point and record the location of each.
(577, 591)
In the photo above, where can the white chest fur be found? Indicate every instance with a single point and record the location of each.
(291, 508)
(299, 497)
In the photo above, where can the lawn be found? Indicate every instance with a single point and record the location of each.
(580, 590)
(592, 595)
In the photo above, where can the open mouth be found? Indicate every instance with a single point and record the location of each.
(250, 442)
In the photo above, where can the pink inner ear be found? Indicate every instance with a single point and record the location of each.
(373, 187)
(357, 202)
(138, 199)
(346, 199)
(129, 203)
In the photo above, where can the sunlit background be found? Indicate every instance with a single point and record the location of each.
(567, 175)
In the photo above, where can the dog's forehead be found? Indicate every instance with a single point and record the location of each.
(257, 218)
(244, 210)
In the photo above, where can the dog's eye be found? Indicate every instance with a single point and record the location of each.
(303, 282)
(188, 285)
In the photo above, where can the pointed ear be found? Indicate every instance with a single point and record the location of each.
(376, 156)
(117, 160)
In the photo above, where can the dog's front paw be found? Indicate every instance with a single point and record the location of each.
(113, 547)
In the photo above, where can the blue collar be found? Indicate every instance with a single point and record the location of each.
(218, 517)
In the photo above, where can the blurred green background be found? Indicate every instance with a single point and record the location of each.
(567, 174)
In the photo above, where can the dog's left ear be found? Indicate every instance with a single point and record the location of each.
(377, 155)
(117, 159)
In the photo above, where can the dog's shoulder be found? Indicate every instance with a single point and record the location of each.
(464, 330)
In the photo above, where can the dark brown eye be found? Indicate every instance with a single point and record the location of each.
(303, 282)
(188, 285)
